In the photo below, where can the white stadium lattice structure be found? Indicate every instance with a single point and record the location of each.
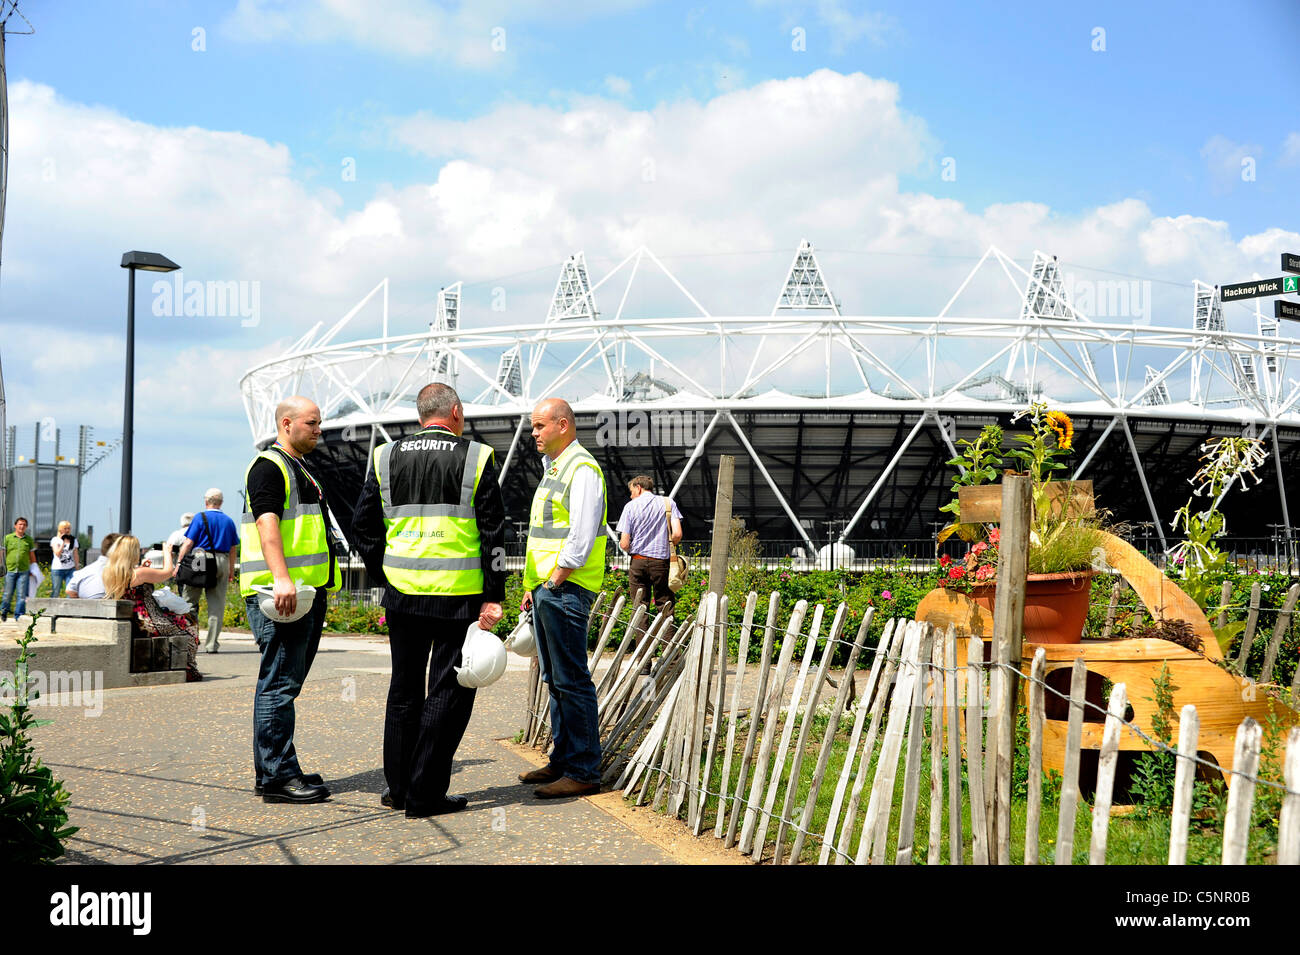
(837, 440)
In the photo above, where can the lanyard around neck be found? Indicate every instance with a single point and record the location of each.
(285, 451)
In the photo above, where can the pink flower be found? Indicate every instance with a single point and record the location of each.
(979, 548)
(383, 621)
(984, 572)
(995, 536)
(886, 595)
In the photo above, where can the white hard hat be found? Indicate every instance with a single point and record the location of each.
(482, 658)
(306, 597)
(522, 640)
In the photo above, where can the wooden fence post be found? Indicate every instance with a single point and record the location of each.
(1288, 830)
(805, 727)
(912, 768)
(722, 524)
(934, 846)
(864, 707)
(823, 757)
(755, 712)
(1008, 632)
(1109, 625)
(729, 747)
(952, 690)
(721, 641)
(769, 727)
(979, 833)
(1189, 730)
(1241, 794)
(1070, 784)
(1279, 631)
(1248, 636)
(1106, 775)
(1037, 673)
(876, 824)
(1225, 594)
(787, 730)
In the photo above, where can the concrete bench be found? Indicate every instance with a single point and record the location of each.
(99, 636)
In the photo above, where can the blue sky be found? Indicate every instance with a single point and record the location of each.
(1114, 133)
(1015, 92)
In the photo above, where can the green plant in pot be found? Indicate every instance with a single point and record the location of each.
(1066, 536)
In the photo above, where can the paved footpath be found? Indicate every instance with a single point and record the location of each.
(164, 775)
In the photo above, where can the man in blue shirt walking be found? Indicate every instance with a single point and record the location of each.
(218, 536)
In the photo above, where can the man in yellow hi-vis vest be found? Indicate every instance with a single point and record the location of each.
(563, 570)
(285, 540)
(430, 525)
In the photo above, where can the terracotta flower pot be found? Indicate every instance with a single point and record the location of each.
(1056, 605)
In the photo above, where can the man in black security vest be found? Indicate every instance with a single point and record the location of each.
(430, 526)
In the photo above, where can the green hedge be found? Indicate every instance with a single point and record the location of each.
(892, 591)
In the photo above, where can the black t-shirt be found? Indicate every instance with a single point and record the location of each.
(266, 493)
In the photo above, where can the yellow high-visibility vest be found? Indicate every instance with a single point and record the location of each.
(302, 531)
(549, 519)
(432, 548)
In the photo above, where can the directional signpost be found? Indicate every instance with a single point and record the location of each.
(1283, 309)
(1254, 289)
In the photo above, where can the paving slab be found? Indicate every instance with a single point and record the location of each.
(164, 775)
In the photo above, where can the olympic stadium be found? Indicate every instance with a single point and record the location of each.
(841, 424)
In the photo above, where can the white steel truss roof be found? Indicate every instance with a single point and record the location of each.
(1047, 347)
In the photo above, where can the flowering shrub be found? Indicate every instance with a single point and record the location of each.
(979, 566)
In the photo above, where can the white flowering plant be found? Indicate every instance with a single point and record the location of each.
(1198, 556)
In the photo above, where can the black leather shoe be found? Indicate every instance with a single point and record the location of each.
(313, 779)
(386, 799)
(295, 790)
(440, 808)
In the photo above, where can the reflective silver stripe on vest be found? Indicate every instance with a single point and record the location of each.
(300, 560)
(385, 477)
(548, 530)
(433, 563)
(428, 510)
(469, 476)
(290, 513)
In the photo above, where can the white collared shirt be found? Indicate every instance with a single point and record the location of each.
(586, 508)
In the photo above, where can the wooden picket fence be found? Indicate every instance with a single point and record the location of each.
(676, 737)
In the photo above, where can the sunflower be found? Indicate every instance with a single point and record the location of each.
(1061, 424)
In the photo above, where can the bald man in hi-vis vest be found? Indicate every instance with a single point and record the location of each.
(285, 539)
(563, 571)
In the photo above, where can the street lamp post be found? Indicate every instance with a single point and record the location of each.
(149, 262)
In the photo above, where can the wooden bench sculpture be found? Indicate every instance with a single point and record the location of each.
(1222, 699)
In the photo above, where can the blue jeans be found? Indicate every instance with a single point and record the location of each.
(59, 581)
(560, 624)
(288, 650)
(15, 580)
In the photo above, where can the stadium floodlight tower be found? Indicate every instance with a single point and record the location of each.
(446, 321)
(1207, 316)
(1045, 298)
(1157, 392)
